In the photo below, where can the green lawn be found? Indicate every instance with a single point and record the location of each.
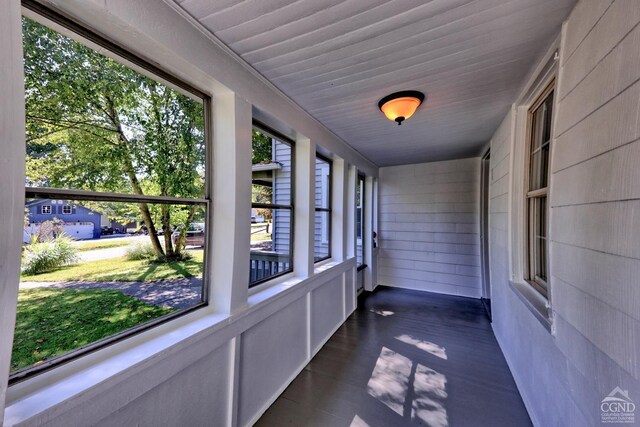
(90, 245)
(122, 270)
(258, 232)
(51, 322)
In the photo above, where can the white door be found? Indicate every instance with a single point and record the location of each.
(79, 230)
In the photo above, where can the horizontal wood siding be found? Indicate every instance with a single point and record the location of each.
(594, 227)
(429, 227)
(282, 195)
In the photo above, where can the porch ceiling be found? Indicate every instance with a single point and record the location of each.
(337, 58)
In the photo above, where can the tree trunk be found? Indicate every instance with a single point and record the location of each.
(166, 228)
(133, 179)
(182, 237)
(153, 233)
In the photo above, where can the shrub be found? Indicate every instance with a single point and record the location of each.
(176, 257)
(48, 230)
(40, 257)
(140, 251)
(144, 252)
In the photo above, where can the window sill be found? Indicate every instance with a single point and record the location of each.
(289, 285)
(535, 303)
(266, 290)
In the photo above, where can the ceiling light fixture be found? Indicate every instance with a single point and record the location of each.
(400, 106)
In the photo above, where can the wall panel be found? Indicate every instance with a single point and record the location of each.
(429, 229)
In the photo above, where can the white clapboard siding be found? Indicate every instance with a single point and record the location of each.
(594, 227)
(429, 227)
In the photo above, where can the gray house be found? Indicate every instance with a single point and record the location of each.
(79, 222)
(277, 175)
(282, 195)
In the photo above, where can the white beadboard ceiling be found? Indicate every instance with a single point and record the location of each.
(336, 59)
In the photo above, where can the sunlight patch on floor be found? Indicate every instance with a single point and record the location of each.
(389, 381)
(416, 394)
(427, 346)
(358, 422)
(383, 313)
(429, 389)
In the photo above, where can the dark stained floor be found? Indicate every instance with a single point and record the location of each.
(405, 358)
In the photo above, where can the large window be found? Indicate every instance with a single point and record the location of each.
(540, 116)
(116, 197)
(271, 205)
(322, 228)
(360, 221)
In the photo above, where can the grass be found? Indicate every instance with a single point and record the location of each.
(260, 236)
(51, 322)
(122, 270)
(90, 245)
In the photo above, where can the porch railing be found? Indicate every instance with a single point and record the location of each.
(265, 264)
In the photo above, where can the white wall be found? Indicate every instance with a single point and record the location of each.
(429, 227)
(594, 227)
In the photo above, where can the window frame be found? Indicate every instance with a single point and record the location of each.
(48, 208)
(329, 196)
(531, 197)
(65, 207)
(256, 124)
(52, 18)
(361, 177)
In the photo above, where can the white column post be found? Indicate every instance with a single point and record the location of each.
(12, 173)
(367, 240)
(304, 215)
(374, 227)
(351, 241)
(231, 193)
(339, 210)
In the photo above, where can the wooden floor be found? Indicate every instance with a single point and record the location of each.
(405, 358)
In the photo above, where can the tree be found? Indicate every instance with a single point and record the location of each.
(262, 147)
(96, 124)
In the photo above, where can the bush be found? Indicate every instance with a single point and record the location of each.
(140, 251)
(144, 252)
(40, 257)
(176, 257)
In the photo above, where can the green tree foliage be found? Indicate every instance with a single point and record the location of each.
(96, 124)
(261, 148)
(262, 153)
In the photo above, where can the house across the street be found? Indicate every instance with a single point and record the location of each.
(79, 222)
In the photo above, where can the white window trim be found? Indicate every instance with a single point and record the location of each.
(544, 73)
(325, 177)
(79, 35)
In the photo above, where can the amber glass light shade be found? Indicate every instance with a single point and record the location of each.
(400, 106)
